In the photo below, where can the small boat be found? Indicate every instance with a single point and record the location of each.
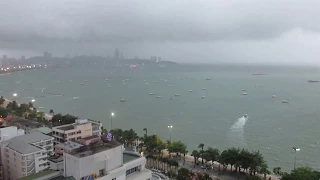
(245, 116)
(208, 78)
(204, 89)
(284, 101)
(274, 96)
(177, 95)
(258, 74)
(74, 98)
(190, 90)
(158, 97)
(81, 83)
(171, 99)
(170, 85)
(203, 97)
(123, 100)
(40, 107)
(313, 81)
(151, 93)
(243, 90)
(244, 94)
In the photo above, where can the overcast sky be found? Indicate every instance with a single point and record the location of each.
(210, 31)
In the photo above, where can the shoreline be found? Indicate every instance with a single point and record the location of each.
(46, 116)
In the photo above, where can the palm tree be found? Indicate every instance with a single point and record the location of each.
(146, 130)
(201, 152)
(195, 155)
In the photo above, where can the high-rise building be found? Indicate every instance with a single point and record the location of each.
(25, 155)
(47, 54)
(117, 54)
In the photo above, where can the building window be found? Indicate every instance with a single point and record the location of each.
(132, 170)
(101, 172)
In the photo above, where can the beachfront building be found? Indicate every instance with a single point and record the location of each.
(105, 161)
(25, 155)
(82, 128)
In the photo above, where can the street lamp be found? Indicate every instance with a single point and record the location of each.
(112, 114)
(170, 127)
(15, 94)
(33, 100)
(295, 149)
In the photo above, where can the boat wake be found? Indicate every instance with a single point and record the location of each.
(235, 133)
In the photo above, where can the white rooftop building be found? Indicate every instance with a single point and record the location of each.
(105, 161)
(25, 155)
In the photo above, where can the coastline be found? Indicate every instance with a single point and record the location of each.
(46, 116)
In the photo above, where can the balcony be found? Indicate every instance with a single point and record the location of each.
(30, 163)
(30, 170)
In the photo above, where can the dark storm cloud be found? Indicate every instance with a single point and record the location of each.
(153, 21)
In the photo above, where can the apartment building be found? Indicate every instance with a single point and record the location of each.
(7, 133)
(105, 161)
(25, 155)
(82, 128)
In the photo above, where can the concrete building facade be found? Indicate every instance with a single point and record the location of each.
(82, 128)
(25, 155)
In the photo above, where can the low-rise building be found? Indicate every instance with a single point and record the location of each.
(105, 161)
(67, 147)
(25, 124)
(44, 130)
(82, 128)
(25, 155)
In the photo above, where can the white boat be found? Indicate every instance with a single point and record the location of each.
(177, 95)
(284, 101)
(123, 100)
(245, 116)
(203, 97)
(158, 97)
(81, 83)
(40, 107)
(208, 78)
(244, 94)
(190, 90)
(243, 90)
(171, 99)
(274, 96)
(74, 98)
(204, 89)
(151, 93)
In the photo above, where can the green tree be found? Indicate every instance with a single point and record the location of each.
(264, 170)
(151, 142)
(277, 171)
(116, 133)
(305, 173)
(177, 147)
(184, 174)
(195, 155)
(2, 100)
(59, 119)
(257, 162)
(3, 112)
(201, 146)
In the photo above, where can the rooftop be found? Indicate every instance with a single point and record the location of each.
(69, 145)
(127, 157)
(95, 148)
(22, 144)
(26, 122)
(44, 130)
(91, 137)
(66, 127)
(40, 175)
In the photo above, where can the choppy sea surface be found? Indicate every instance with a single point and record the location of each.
(202, 111)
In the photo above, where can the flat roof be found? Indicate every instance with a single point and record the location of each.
(56, 159)
(44, 130)
(91, 137)
(38, 175)
(127, 157)
(66, 128)
(98, 147)
(69, 145)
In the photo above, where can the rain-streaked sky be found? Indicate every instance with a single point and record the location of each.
(209, 31)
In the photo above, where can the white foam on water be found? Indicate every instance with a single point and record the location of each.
(239, 124)
(235, 134)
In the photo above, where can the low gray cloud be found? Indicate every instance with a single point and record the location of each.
(75, 24)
